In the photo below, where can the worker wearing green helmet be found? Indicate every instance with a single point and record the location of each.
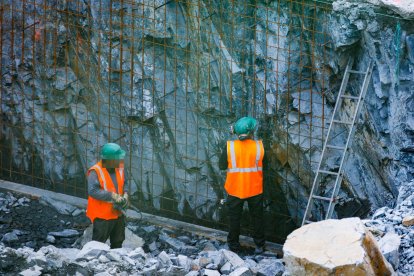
(108, 196)
(243, 159)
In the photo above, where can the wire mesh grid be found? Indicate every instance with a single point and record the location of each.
(164, 79)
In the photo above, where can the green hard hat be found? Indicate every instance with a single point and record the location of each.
(112, 151)
(245, 125)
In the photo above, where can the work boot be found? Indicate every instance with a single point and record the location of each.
(259, 250)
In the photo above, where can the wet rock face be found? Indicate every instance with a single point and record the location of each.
(172, 104)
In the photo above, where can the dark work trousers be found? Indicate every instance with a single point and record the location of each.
(235, 209)
(114, 229)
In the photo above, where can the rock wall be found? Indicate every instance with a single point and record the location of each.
(165, 79)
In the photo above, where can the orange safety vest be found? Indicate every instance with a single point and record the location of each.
(103, 209)
(245, 168)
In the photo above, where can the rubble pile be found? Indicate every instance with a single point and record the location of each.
(46, 236)
(60, 248)
(394, 230)
(34, 223)
(97, 258)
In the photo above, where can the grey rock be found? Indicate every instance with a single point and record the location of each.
(60, 206)
(114, 256)
(50, 239)
(9, 238)
(226, 268)
(149, 271)
(92, 250)
(232, 258)
(381, 212)
(174, 243)
(212, 266)
(164, 259)
(66, 233)
(389, 245)
(241, 271)
(103, 259)
(149, 229)
(192, 273)
(32, 271)
(137, 253)
(204, 261)
(184, 262)
(184, 239)
(210, 272)
(209, 247)
(270, 267)
(77, 212)
(153, 246)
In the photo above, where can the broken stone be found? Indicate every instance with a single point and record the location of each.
(184, 262)
(32, 271)
(209, 247)
(103, 259)
(149, 229)
(153, 246)
(60, 206)
(67, 233)
(310, 250)
(408, 221)
(192, 273)
(91, 250)
(226, 268)
(137, 253)
(164, 259)
(210, 272)
(241, 271)
(113, 256)
(9, 238)
(270, 267)
(232, 258)
(389, 245)
(132, 240)
(152, 270)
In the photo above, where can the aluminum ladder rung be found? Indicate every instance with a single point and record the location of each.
(328, 172)
(357, 72)
(342, 122)
(335, 147)
(350, 97)
(323, 198)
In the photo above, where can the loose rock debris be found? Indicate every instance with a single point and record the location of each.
(44, 237)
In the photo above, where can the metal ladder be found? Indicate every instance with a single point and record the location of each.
(342, 148)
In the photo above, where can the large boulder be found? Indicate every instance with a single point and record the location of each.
(334, 247)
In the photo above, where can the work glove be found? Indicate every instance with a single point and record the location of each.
(125, 201)
(116, 198)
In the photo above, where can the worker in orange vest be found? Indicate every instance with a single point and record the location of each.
(108, 196)
(243, 159)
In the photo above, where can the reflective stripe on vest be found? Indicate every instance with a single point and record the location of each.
(101, 173)
(242, 170)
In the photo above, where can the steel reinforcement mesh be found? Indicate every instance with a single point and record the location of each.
(164, 79)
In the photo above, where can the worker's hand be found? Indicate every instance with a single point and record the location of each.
(116, 198)
(125, 203)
